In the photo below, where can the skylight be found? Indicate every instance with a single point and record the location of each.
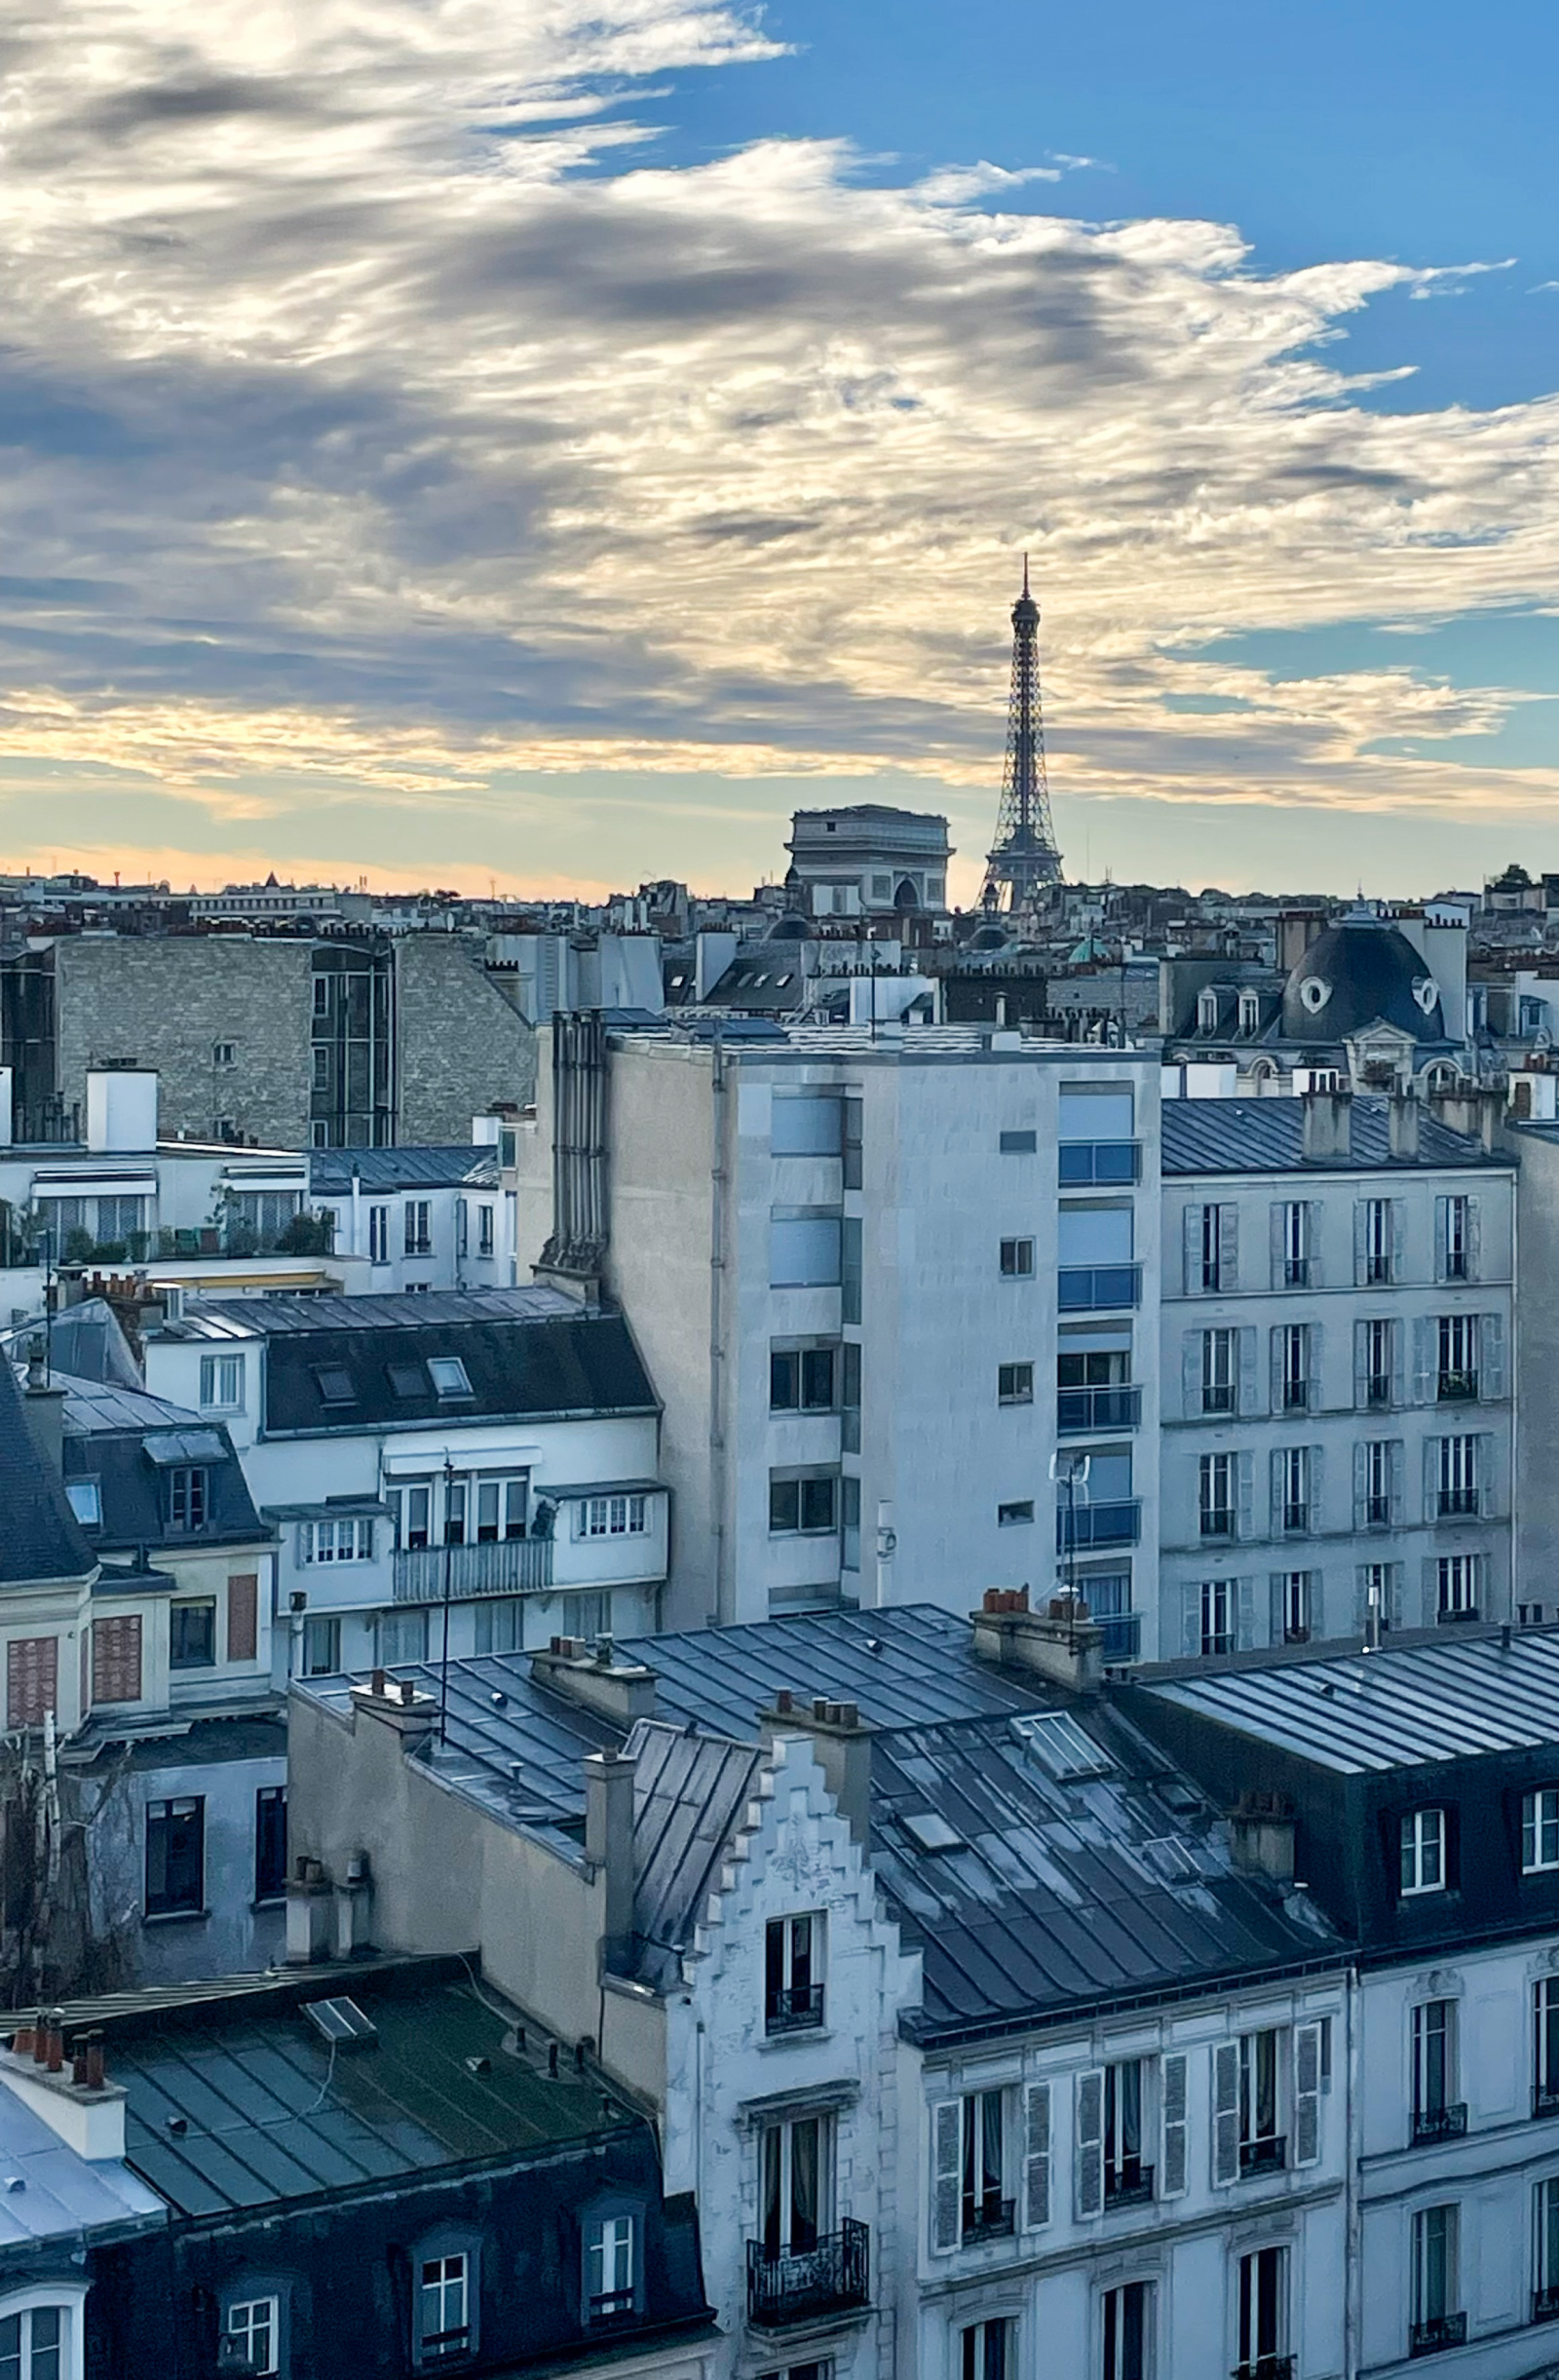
(931, 1831)
(334, 1384)
(342, 2022)
(1061, 1746)
(449, 1375)
(407, 1379)
(86, 1501)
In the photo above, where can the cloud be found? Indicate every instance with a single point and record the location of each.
(377, 414)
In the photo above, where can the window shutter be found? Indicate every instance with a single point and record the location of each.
(1243, 1464)
(1491, 1355)
(1399, 1358)
(1393, 1594)
(1431, 1477)
(1190, 1620)
(1307, 2094)
(1229, 1246)
(1245, 1613)
(1312, 1242)
(32, 1680)
(1036, 2155)
(1442, 1235)
(1173, 2149)
(116, 1659)
(1090, 2143)
(947, 2145)
(1314, 1484)
(1361, 1481)
(242, 1616)
(1277, 1595)
(1424, 1337)
(1191, 1373)
(1361, 1242)
(1225, 2114)
(1247, 1398)
(1429, 1604)
(1361, 1365)
(1395, 1465)
(1275, 1344)
(1278, 1247)
(1361, 1600)
(1398, 1239)
(1474, 1239)
(1483, 1474)
(1315, 1359)
(1192, 1251)
(1275, 1465)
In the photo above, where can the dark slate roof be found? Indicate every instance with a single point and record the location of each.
(108, 1434)
(39, 1535)
(465, 1166)
(1266, 1136)
(1358, 972)
(248, 1318)
(1059, 1893)
(689, 1793)
(1370, 1712)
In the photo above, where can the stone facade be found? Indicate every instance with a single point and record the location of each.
(461, 1044)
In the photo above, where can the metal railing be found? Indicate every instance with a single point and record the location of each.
(514, 1565)
(798, 2285)
(1128, 2185)
(1440, 2330)
(1546, 2098)
(794, 2009)
(1097, 1524)
(1266, 2156)
(1456, 1388)
(989, 2219)
(1098, 1408)
(1264, 2367)
(1545, 2303)
(1438, 2124)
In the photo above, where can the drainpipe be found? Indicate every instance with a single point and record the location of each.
(1353, 2005)
(724, 1595)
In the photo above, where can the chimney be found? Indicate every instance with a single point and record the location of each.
(79, 2106)
(354, 1909)
(609, 1845)
(1326, 1128)
(310, 1907)
(1402, 1127)
(45, 1409)
(1477, 1113)
(397, 1704)
(595, 1676)
(840, 1746)
(1261, 1836)
(1062, 1644)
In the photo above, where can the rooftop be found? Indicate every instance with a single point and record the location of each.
(405, 1310)
(39, 1535)
(54, 2194)
(1267, 1136)
(465, 1166)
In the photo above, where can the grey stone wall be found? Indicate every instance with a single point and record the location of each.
(461, 1044)
(171, 1004)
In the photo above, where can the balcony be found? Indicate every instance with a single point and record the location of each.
(1078, 1411)
(1456, 1503)
(1440, 2330)
(1081, 1289)
(515, 1566)
(1377, 1389)
(1123, 1631)
(1266, 2156)
(988, 2219)
(1456, 1388)
(1545, 2303)
(1296, 1272)
(795, 2008)
(1128, 2185)
(1091, 1526)
(1266, 2367)
(1456, 1615)
(1438, 2124)
(1081, 1162)
(804, 2284)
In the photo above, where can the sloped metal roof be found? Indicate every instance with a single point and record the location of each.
(40, 1537)
(467, 1165)
(689, 1792)
(61, 2195)
(1267, 1136)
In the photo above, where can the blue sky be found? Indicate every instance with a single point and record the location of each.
(464, 440)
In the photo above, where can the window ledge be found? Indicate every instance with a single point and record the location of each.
(803, 2037)
(175, 1917)
(272, 1900)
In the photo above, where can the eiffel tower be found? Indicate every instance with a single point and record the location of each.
(1024, 862)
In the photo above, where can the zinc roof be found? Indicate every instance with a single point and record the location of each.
(465, 1165)
(1267, 1136)
(62, 2194)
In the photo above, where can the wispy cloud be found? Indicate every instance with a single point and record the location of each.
(380, 417)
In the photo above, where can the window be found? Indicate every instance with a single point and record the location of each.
(806, 1125)
(1215, 1495)
(796, 2185)
(175, 1857)
(1293, 1483)
(443, 2307)
(1456, 1250)
(1422, 1855)
(251, 2331)
(1126, 2179)
(322, 1645)
(1218, 1362)
(1018, 1144)
(270, 1843)
(1015, 1384)
(485, 1243)
(1293, 1366)
(1249, 1012)
(86, 1501)
(1377, 1468)
(378, 1235)
(1455, 1478)
(32, 2343)
(1436, 2112)
(792, 1995)
(499, 1627)
(221, 1383)
(1127, 2328)
(985, 2352)
(418, 1227)
(408, 1381)
(1545, 2251)
(321, 1066)
(610, 2266)
(448, 1376)
(402, 1636)
(1539, 1832)
(1378, 1363)
(1295, 1602)
(1378, 1241)
(983, 2212)
(1017, 1259)
(1294, 1245)
(1262, 2147)
(805, 1252)
(336, 1541)
(322, 995)
(1263, 2344)
(1437, 2320)
(1014, 1516)
(616, 1515)
(461, 1228)
(191, 1635)
(1545, 2046)
(334, 1384)
(1208, 1011)
(801, 1379)
(1215, 1597)
(412, 1508)
(1456, 1586)
(188, 1497)
(805, 1507)
(1456, 1373)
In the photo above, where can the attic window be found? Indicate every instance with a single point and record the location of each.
(407, 1379)
(334, 1384)
(86, 1501)
(1062, 1747)
(342, 2022)
(931, 1831)
(449, 1376)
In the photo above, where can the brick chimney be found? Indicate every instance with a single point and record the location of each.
(1326, 1127)
(310, 1914)
(609, 1845)
(1062, 1644)
(78, 2104)
(597, 1676)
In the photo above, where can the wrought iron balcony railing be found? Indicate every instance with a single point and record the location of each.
(1427, 2338)
(801, 2284)
(988, 2219)
(1438, 2124)
(796, 2008)
(1266, 2156)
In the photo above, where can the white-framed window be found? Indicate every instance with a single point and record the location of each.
(1422, 1852)
(611, 2253)
(252, 2331)
(461, 1228)
(1456, 1347)
(796, 2183)
(1456, 1586)
(1208, 1011)
(1545, 2248)
(1249, 1012)
(378, 1235)
(1217, 1615)
(986, 2351)
(221, 1384)
(322, 1645)
(1294, 1243)
(1126, 2322)
(1434, 2094)
(1215, 1495)
(336, 1541)
(1437, 2317)
(449, 1376)
(1455, 1253)
(1015, 1384)
(1457, 1478)
(224, 1054)
(1293, 1366)
(1378, 1241)
(1261, 2142)
(1263, 2336)
(443, 2307)
(984, 2213)
(1545, 2046)
(485, 1243)
(1539, 1831)
(792, 1975)
(418, 1214)
(1293, 1486)
(628, 1515)
(1378, 1363)
(34, 2342)
(1296, 1604)
(1017, 1259)
(1220, 1359)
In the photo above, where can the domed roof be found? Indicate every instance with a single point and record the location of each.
(1360, 971)
(988, 937)
(790, 929)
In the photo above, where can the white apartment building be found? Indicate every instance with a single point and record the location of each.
(484, 1463)
(419, 1218)
(1337, 1411)
(878, 1276)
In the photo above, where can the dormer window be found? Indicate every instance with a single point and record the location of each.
(444, 2308)
(1422, 1857)
(1249, 1012)
(189, 1497)
(252, 2338)
(612, 2264)
(1208, 1011)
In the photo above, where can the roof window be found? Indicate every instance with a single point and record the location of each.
(931, 1831)
(86, 1501)
(334, 1384)
(407, 1379)
(449, 1376)
(1062, 1747)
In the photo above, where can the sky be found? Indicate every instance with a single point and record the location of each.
(535, 445)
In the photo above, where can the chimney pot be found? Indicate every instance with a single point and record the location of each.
(377, 1683)
(784, 1702)
(820, 1707)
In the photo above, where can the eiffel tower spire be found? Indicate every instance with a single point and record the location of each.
(1023, 862)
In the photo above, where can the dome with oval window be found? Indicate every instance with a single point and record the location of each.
(1361, 972)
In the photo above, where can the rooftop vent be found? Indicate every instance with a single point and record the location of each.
(931, 1831)
(1062, 1748)
(341, 2022)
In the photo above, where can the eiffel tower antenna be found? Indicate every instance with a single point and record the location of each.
(1024, 862)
